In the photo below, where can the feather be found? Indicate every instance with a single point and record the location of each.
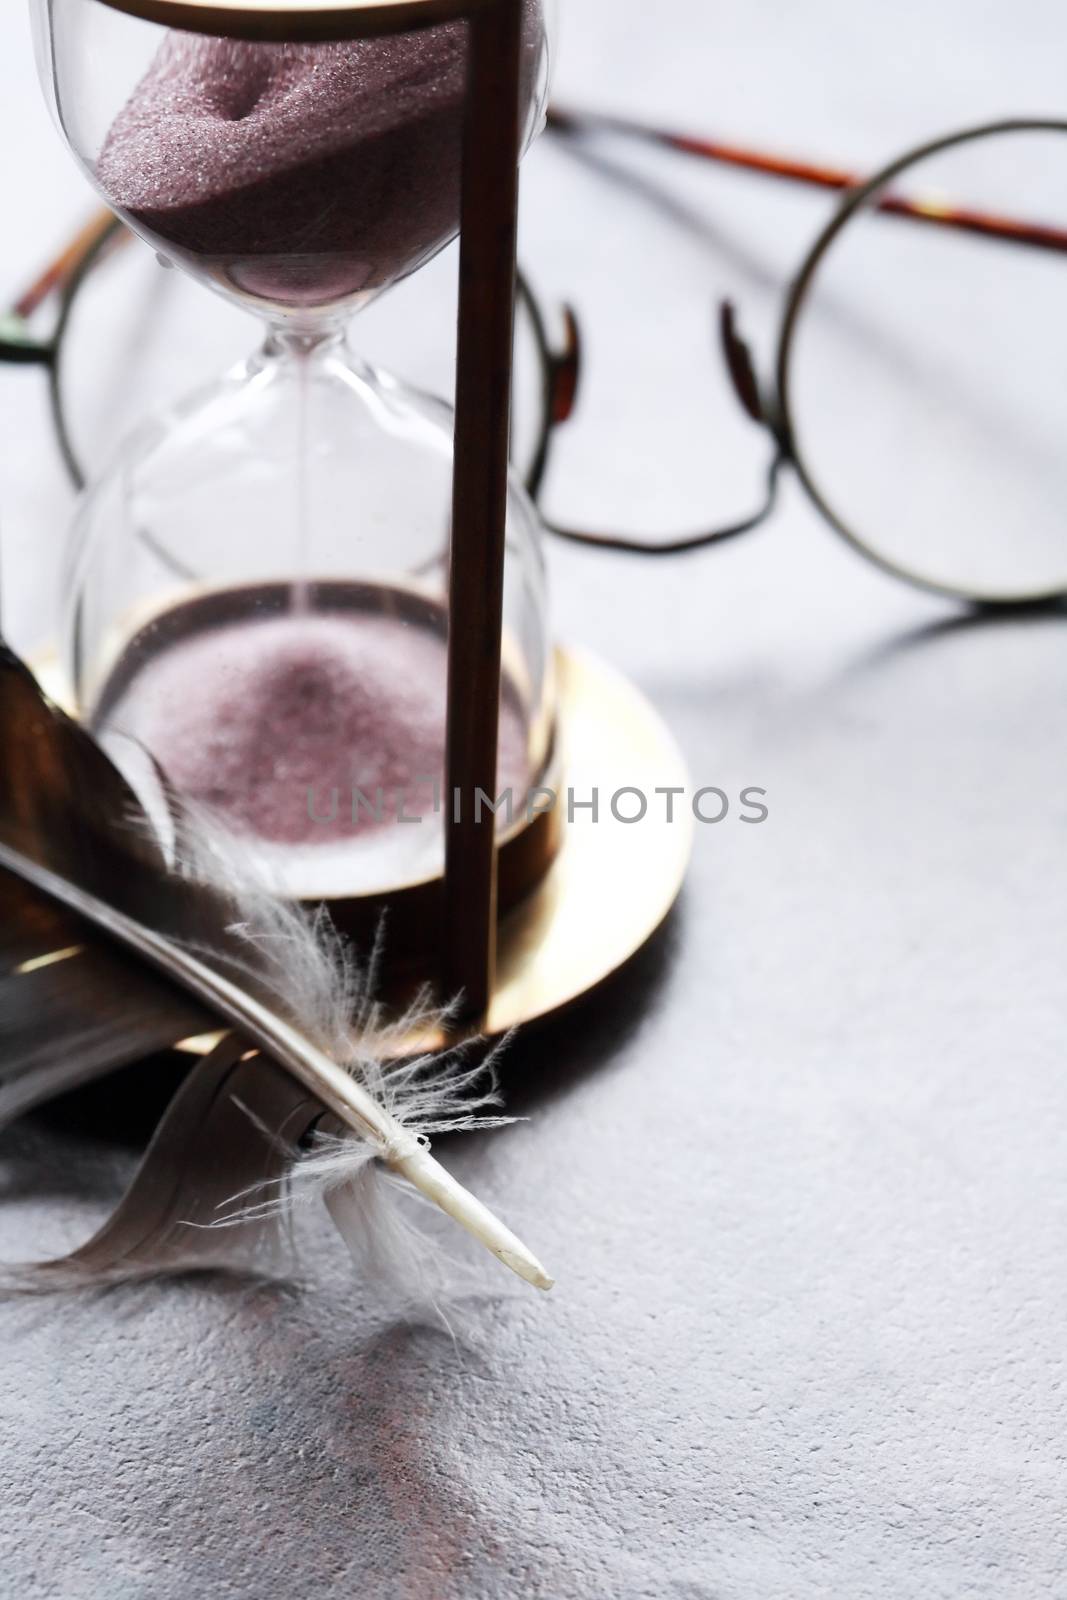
(71, 1010)
(441, 1093)
(191, 918)
(179, 1213)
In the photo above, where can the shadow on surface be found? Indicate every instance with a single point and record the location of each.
(971, 620)
(545, 1057)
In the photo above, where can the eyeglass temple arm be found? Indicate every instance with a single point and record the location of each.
(569, 121)
(60, 277)
(59, 271)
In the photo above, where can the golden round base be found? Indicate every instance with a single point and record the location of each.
(612, 882)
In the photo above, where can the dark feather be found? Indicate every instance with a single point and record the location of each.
(75, 1003)
(79, 839)
(73, 1007)
(192, 941)
(231, 1129)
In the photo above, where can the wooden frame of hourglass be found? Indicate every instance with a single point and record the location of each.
(576, 908)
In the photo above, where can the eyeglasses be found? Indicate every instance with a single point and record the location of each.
(919, 376)
(918, 384)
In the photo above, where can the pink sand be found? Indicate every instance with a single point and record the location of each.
(251, 716)
(301, 173)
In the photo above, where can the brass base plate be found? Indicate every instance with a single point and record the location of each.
(612, 883)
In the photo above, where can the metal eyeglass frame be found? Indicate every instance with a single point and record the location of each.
(770, 407)
(560, 366)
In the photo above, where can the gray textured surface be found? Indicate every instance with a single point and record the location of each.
(802, 1178)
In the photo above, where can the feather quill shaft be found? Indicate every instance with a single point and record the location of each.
(325, 1078)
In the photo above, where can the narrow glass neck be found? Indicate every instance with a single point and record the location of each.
(288, 340)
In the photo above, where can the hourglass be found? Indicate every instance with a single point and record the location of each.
(313, 596)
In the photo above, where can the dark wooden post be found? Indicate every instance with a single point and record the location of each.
(491, 133)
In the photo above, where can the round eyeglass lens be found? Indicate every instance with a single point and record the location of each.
(925, 375)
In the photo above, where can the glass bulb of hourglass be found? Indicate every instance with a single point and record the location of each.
(257, 586)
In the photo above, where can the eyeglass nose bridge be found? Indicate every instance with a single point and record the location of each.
(761, 405)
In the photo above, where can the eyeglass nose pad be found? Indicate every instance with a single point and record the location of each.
(566, 368)
(739, 364)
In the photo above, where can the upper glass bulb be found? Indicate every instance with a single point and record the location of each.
(300, 177)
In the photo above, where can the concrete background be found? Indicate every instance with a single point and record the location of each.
(801, 1177)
